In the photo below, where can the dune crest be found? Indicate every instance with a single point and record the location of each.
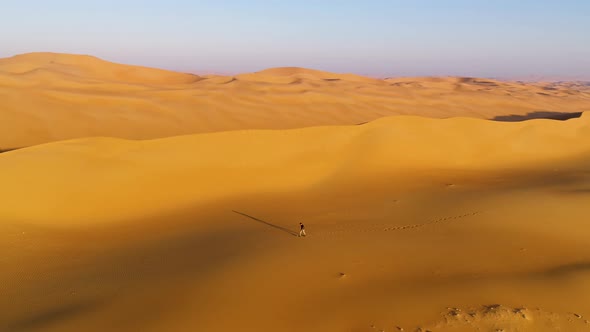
(405, 144)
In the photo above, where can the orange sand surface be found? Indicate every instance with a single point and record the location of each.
(413, 223)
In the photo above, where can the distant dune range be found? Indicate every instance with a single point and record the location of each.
(47, 97)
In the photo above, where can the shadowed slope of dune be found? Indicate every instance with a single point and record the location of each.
(538, 115)
(445, 225)
(48, 97)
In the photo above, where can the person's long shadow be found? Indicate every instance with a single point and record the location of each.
(286, 230)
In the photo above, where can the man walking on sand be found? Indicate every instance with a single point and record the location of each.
(302, 230)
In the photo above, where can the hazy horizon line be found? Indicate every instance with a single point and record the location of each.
(205, 72)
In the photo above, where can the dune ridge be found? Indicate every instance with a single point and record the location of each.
(378, 147)
(414, 224)
(47, 97)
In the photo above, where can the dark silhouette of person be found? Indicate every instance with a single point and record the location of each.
(302, 230)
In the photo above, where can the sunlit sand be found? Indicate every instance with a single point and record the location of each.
(414, 223)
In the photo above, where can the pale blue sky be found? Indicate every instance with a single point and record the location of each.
(492, 38)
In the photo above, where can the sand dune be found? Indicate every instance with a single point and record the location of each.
(414, 224)
(89, 68)
(47, 97)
